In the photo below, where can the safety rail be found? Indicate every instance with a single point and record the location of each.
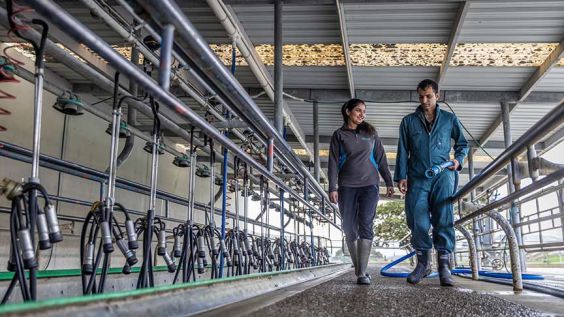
(534, 223)
(539, 130)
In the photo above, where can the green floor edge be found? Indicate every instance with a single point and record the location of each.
(50, 303)
(6, 276)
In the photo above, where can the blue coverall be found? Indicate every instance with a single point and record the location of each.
(427, 201)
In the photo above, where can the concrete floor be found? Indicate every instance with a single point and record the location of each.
(340, 296)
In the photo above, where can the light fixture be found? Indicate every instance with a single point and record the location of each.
(181, 161)
(218, 181)
(255, 197)
(203, 171)
(149, 148)
(69, 103)
(123, 129)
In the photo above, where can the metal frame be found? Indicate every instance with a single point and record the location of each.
(346, 50)
(463, 9)
(80, 33)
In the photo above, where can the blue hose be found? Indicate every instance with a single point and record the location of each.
(437, 169)
(384, 271)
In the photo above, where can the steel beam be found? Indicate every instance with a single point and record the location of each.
(278, 67)
(463, 9)
(346, 49)
(543, 69)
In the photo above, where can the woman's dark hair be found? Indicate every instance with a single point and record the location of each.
(364, 126)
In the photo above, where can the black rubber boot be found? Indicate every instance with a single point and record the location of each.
(443, 260)
(423, 267)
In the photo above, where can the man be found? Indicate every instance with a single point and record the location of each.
(425, 141)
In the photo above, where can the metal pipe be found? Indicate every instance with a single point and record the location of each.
(503, 202)
(126, 34)
(513, 249)
(270, 155)
(282, 237)
(199, 52)
(165, 62)
(531, 156)
(81, 33)
(278, 71)
(514, 181)
(24, 155)
(191, 185)
(550, 121)
(316, 160)
(38, 110)
(116, 119)
(475, 224)
(472, 249)
(248, 52)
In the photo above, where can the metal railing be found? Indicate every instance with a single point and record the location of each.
(539, 130)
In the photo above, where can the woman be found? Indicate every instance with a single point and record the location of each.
(356, 155)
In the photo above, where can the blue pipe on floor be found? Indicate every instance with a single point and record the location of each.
(384, 271)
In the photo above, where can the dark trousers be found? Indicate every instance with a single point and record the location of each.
(358, 208)
(427, 204)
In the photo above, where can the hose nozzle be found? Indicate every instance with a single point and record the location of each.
(43, 231)
(437, 169)
(88, 261)
(55, 234)
(106, 237)
(28, 252)
(131, 235)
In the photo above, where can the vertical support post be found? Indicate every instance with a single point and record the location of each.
(282, 249)
(316, 161)
(475, 225)
(278, 72)
(513, 180)
(312, 244)
(560, 196)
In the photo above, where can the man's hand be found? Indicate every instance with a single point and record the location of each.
(402, 186)
(334, 197)
(455, 166)
(390, 191)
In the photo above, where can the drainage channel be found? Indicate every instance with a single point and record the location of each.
(176, 300)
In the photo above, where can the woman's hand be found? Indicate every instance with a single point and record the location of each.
(334, 197)
(390, 191)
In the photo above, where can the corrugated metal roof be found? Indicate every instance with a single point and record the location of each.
(514, 22)
(553, 81)
(301, 24)
(487, 78)
(207, 24)
(523, 117)
(330, 77)
(391, 77)
(399, 22)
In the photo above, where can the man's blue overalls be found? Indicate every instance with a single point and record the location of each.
(427, 201)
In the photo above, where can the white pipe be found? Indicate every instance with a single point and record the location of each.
(251, 57)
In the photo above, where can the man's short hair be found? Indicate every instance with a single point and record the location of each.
(424, 84)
